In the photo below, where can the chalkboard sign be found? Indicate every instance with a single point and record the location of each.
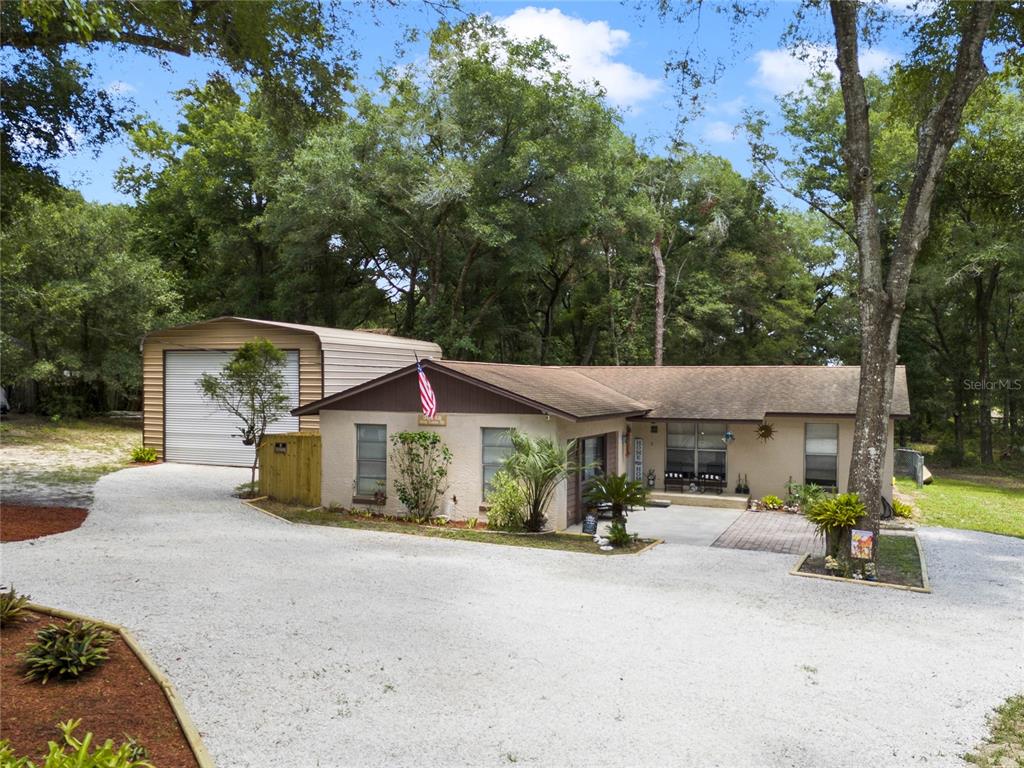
(590, 524)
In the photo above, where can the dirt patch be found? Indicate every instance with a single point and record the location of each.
(115, 700)
(19, 522)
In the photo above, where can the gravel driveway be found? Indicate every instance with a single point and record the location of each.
(304, 646)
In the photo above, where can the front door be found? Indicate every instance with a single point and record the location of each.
(589, 454)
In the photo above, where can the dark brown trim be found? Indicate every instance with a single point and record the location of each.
(628, 415)
(438, 366)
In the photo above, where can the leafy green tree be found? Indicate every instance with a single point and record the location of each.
(77, 301)
(201, 198)
(945, 66)
(486, 162)
(252, 388)
(50, 107)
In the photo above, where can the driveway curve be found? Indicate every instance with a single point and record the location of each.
(306, 646)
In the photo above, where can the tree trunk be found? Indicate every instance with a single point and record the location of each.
(882, 292)
(983, 293)
(659, 301)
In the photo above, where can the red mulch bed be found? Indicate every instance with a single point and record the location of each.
(19, 522)
(114, 700)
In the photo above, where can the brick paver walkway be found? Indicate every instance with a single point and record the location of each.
(771, 532)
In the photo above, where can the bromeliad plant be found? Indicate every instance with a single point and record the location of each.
(81, 752)
(538, 465)
(12, 606)
(833, 518)
(421, 462)
(142, 454)
(618, 536)
(66, 651)
(618, 491)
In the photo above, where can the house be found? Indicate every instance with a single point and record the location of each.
(182, 426)
(678, 429)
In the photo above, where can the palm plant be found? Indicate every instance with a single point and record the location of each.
(618, 491)
(539, 465)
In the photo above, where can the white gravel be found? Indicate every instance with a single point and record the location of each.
(299, 646)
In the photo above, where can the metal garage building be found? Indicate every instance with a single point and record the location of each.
(184, 427)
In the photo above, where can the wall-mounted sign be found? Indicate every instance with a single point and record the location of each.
(433, 421)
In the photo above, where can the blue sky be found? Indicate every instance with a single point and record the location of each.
(606, 41)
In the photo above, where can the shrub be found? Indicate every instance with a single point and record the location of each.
(142, 454)
(618, 536)
(804, 496)
(67, 651)
(539, 465)
(82, 754)
(421, 462)
(508, 503)
(618, 491)
(902, 509)
(12, 605)
(833, 516)
(771, 502)
(247, 490)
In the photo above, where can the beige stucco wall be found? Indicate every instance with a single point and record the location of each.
(768, 466)
(462, 435)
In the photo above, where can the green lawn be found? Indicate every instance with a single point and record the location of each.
(1005, 745)
(114, 436)
(898, 561)
(993, 505)
(569, 542)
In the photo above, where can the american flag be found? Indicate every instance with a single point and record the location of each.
(427, 398)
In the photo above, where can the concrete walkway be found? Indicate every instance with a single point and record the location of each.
(696, 526)
(302, 646)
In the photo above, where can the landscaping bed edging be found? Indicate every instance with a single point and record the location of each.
(195, 741)
(925, 587)
(650, 545)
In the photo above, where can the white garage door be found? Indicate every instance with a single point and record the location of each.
(197, 432)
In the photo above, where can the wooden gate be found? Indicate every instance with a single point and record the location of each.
(290, 468)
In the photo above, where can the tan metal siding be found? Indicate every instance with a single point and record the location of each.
(222, 334)
(349, 363)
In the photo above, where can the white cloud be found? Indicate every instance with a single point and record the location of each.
(118, 87)
(732, 107)
(781, 71)
(718, 132)
(590, 48)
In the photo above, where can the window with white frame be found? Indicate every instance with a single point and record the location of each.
(821, 454)
(371, 458)
(497, 446)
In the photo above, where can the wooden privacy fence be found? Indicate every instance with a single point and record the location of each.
(290, 468)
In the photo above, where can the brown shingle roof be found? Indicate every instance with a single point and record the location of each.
(717, 393)
(743, 392)
(560, 389)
